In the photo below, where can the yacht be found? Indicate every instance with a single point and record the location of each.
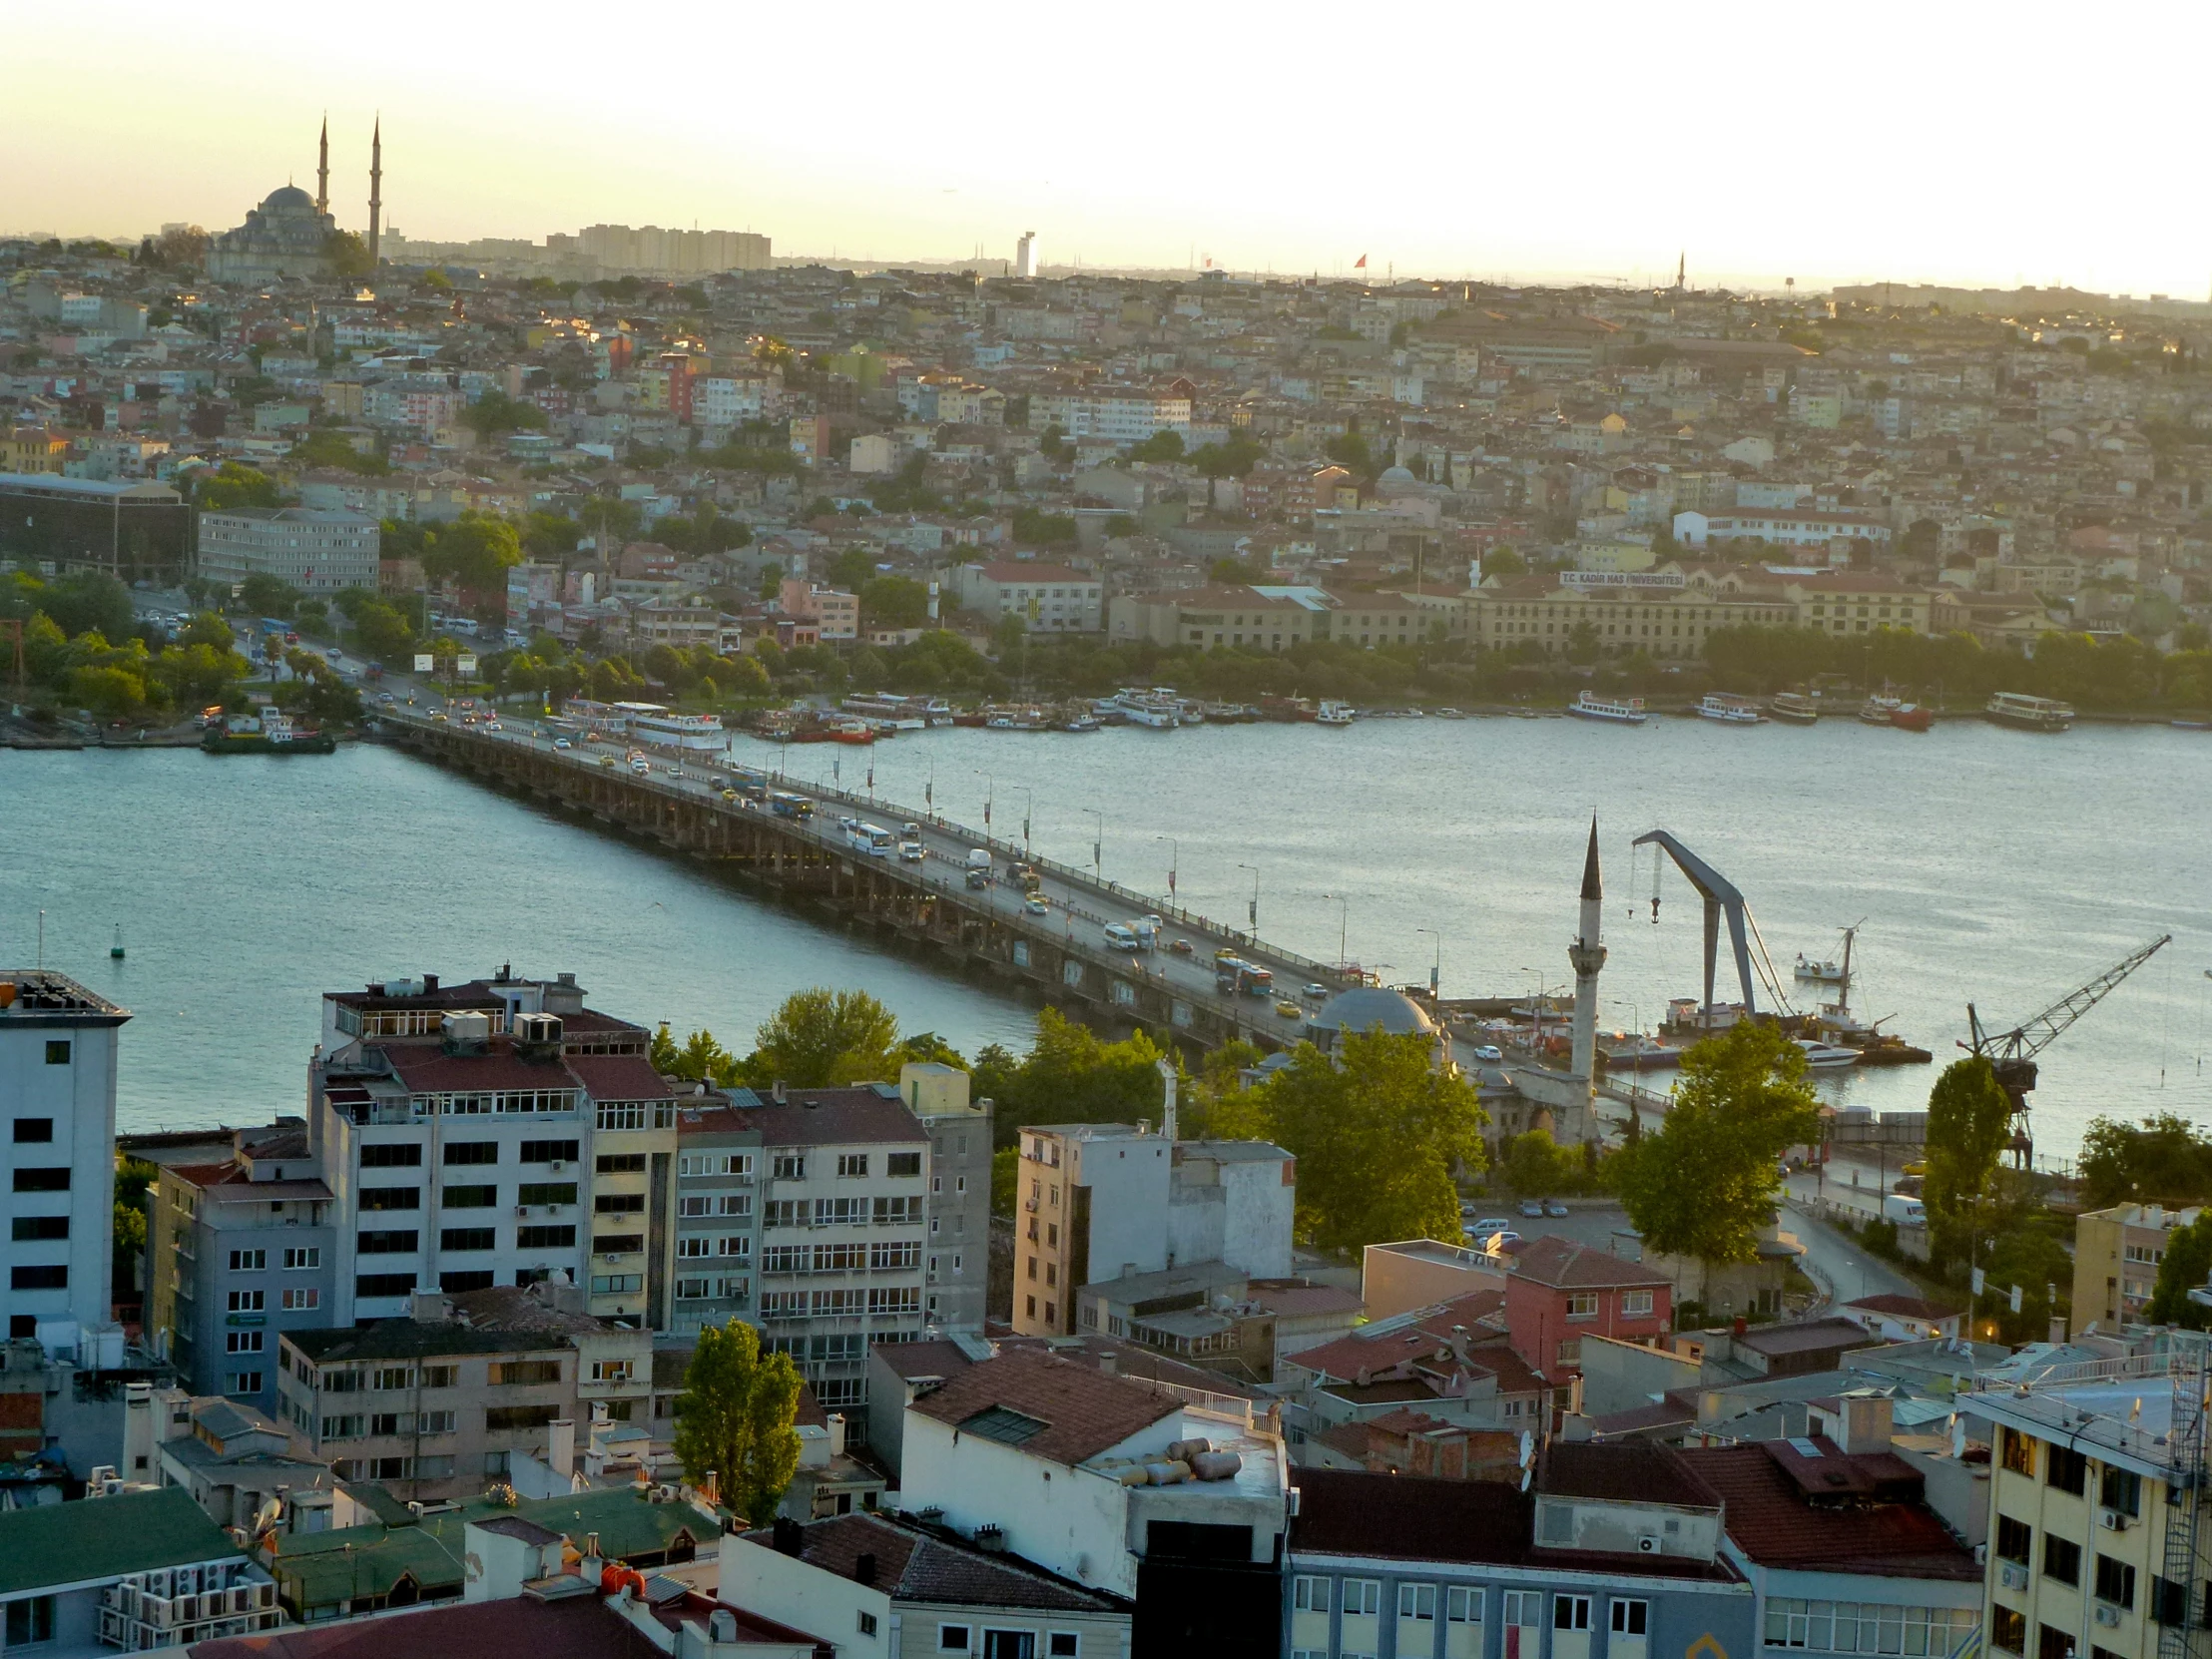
(1823, 1056)
(1621, 711)
(1793, 707)
(1730, 710)
(1156, 711)
(2028, 714)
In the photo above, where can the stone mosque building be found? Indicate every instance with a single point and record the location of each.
(290, 233)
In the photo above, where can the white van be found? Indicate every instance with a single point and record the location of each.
(1120, 936)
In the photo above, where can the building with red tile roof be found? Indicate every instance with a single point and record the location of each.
(1559, 1292)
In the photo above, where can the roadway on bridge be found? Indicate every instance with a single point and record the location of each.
(1076, 906)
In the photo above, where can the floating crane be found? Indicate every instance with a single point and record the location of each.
(2012, 1054)
(1722, 898)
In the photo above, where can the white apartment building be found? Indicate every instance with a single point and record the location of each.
(732, 399)
(844, 1213)
(1050, 599)
(316, 550)
(496, 1132)
(1120, 415)
(57, 1045)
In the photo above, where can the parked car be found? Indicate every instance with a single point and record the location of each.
(1553, 1207)
(1532, 1206)
(1493, 1241)
(1483, 1226)
(1487, 1051)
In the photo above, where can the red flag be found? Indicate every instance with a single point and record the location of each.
(1360, 264)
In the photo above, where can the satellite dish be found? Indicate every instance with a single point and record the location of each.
(1528, 1452)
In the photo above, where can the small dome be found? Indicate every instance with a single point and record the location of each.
(1368, 1006)
(288, 199)
(1397, 475)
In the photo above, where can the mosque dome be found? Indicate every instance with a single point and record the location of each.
(287, 199)
(1367, 1006)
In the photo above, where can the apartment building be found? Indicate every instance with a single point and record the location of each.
(461, 1129)
(2117, 1253)
(2095, 1499)
(1101, 1201)
(239, 1251)
(1119, 414)
(58, 1044)
(843, 1223)
(718, 1218)
(834, 615)
(434, 1404)
(1560, 1292)
(1778, 527)
(317, 551)
(1648, 612)
(1859, 602)
(1050, 599)
(959, 1245)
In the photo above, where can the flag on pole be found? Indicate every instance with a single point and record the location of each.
(1360, 264)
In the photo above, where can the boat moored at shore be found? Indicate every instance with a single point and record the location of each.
(1792, 708)
(2028, 714)
(1618, 711)
(1730, 710)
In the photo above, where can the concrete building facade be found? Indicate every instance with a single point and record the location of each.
(317, 551)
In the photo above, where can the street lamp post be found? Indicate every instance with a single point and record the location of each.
(1028, 804)
(1436, 968)
(1098, 848)
(1251, 911)
(1344, 926)
(1175, 863)
(990, 793)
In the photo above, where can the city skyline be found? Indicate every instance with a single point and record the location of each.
(1848, 161)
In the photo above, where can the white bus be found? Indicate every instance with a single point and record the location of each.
(872, 839)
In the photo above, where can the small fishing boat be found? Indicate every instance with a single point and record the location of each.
(1825, 973)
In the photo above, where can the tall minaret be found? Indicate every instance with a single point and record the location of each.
(375, 187)
(323, 171)
(1586, 955)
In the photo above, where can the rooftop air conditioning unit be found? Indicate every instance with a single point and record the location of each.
(2112, 1521)
(2012, 1576)
(2108, 1615)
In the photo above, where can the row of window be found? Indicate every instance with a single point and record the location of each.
(1462, 1604)
(704, 1288)
(2068, 1471)
(357, 1426)
(546, 1193)
(880, 1299)
(841, 1212)
(889, 1255)
(408, 1155)
(692, 1247)
(1868, 1627)
(791, 1166)
(295, 1259)
(2116, 1580)
(353, 1379)
(715, 1162)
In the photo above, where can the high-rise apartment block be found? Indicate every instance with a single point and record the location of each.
(960, 1193)
(57, 1091)
(666, 251)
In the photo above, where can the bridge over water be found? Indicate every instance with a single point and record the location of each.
(1063, 953)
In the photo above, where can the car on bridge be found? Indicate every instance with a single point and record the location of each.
(1487, 1051)
(1182, 947)
(1037, 905)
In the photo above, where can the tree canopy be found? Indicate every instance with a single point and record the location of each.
(819, 1038)
(1968, 1115)
(734, 1419)
(2165, 1158)
(1703, 1183)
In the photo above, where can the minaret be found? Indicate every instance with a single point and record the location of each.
(1586, 955)
(323, 171)
(375, 187)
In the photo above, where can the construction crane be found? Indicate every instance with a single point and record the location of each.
(2012, 1054)
(1722, 900)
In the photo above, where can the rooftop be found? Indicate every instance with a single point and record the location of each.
(104, 1538)
(866, 1114)
(401, 1338)
(1623, 1475)
(521, 1627)
(1565, 1265)
(1779, 1520)
(1077, 1412)
(41, 996)
(913, 1563)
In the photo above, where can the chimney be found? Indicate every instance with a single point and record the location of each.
(722, 1626)
(1167, 1117)
(429, 983)
(592, 1565)
(1867, 1423)
(779, 1092)
(836, 1433)
(139, 1431)
(1108, 1363)
(787, 1537)
(560, 1448)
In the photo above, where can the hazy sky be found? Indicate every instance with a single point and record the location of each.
(1933, 142)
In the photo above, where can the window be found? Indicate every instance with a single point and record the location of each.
(391, 1155)
(898, 1212)
(24, 1228)
(523, 1372)
(2121, 1490)
(1309, 1594)
(468, 1198)
(2066, 1470)
(1525, 1609)
(394, 1242)
(619, 1244)
(392, 1197)
(2019, 1451)
(1570, 1352)
(546, 1192)
(468, 1238)
(618, 1203)
(242, 1342)
(2007, 1629)
(1417, 1601)
(504, 1417)
(33, 1130)
(244, 1383)
(342, 1428)
(2115, 1582)
(301, 1258)
(2014, 1539)
(2169, 1602)
(791, 1166)
(545, 1237)
(1582, 1304)
(1062, 1644)
(897, 1164)
(247, 1302)
(1570, 1612)
(31, 1619)
(438, 1422)
(621, 1162)
(1631, 1618)
(610, 1370)
(303, 1299)
(548, 1152)
(952, 1638)
(617, 1283)
(42, 1180)
(1462, 1605)
(853, 1164)
(1635, 1305)
(384, 1284)
(57, 1051)
(473, 1151)
(2061, 1559)
(895, 1257)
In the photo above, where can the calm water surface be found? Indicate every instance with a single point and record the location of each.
(1999, 867)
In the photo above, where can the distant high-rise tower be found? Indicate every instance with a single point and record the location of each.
(323, 171)
(1586, 955)
(1025, 256)
(375, 187)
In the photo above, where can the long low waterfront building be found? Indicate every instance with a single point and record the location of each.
(316, 550)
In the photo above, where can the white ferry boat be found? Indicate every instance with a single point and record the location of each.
(1731, 709)
(2028, 714)
(1621, 711)
(1333, 713)
(669, 730)
(906, 713)
(1157, 710)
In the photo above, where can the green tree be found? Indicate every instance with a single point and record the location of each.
(1164, 446)
(383, 633)
(852, 570)
(1503, 561)
(1005, 1180)
(1703, 1183)
(474, 552)
(234, 484)
(893, 602)
(1070, 1075)
(348, 255)
(819, 1038)
(1536, 1166)
(700, 1059)
(2186, 1267)
(495, 412)
(734, 1416)
(134, 1181)
(265, 595)
(1378, 1135)
(1968, 1115)
(2165, 1158)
